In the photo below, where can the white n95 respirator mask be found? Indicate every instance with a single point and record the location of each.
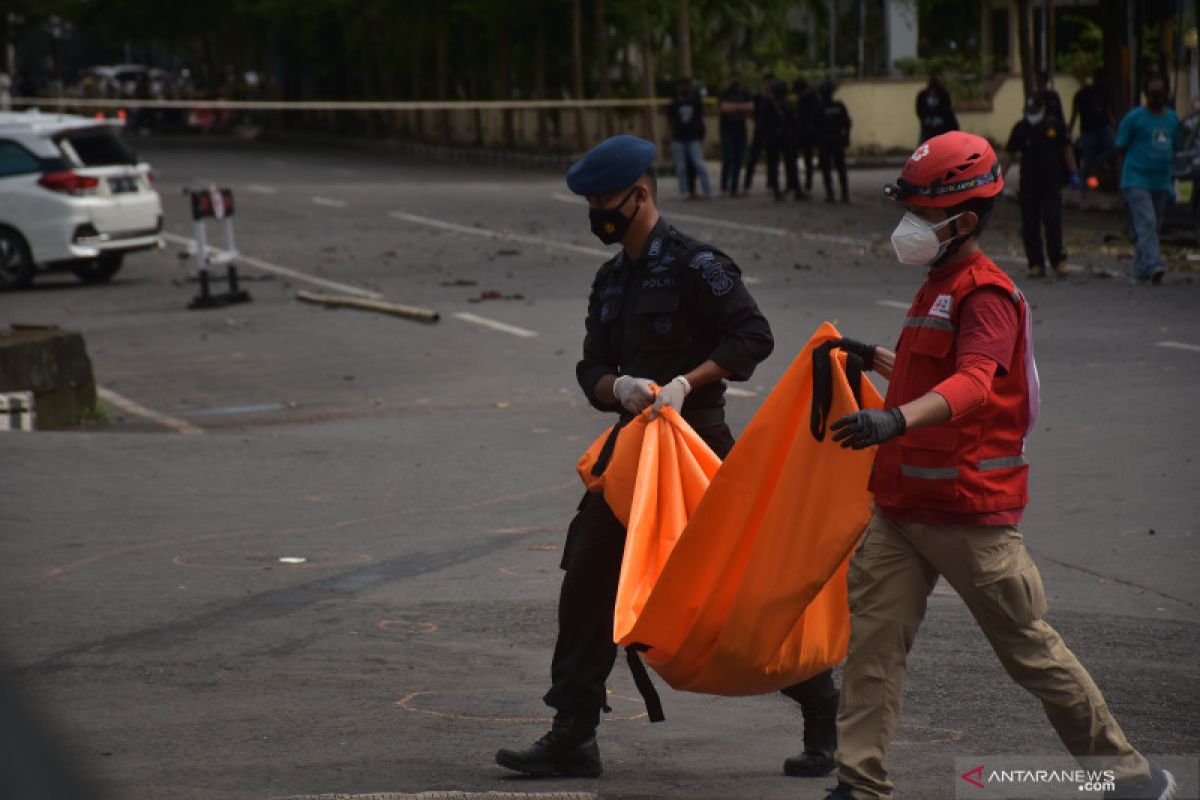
(915, 240)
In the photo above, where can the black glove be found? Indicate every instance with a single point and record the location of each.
(864, 351)
(868, 427)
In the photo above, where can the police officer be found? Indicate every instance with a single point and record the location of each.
(1041, 142)
(934, 109)
(670, 311)
(833, 137)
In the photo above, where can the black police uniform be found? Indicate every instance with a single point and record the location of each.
(679, 305)
(935, 112)
(1042, 171)
(833, 136)
(663, 315)
(659, 316)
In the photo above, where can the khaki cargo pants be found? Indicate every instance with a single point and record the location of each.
(890, 576)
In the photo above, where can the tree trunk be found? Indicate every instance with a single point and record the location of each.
(1025, 45)
(577, 70)
(539, 74)
(651, 117)
(443, 72)
(685, 41)
(506, 88)
(602, 63)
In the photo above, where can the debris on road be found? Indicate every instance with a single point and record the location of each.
(382, 306)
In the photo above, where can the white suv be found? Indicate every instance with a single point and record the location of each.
(72, 195)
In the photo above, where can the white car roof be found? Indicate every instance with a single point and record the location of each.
(34, 122)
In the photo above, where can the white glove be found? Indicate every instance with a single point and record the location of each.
(634, 394)
(671, 395)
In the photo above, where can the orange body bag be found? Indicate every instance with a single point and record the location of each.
(734, 574)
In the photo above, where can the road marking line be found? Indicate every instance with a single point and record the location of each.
(746, 226)
(509, 237)
(252, 409)
(1195, 348)
(130, 407)
(259, 188)
(733, 391)
(494, 325)
(275, 269)
(328, 201)
(893, 304)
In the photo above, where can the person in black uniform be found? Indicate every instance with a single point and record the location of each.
(833, 137)
(735, 105)
(671, 311)
(761, 126)
(780, 141)
(933, 108)
(808, 111)
(1044, 148)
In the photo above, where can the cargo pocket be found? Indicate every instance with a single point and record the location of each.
(1014, 590)
(660, 324)
(928, 469)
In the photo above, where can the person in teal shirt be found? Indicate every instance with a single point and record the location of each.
(1146, 142)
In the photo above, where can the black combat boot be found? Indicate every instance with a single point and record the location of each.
(820, 740)
(569, 749)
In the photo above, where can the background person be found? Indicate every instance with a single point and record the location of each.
(686, 114)
(1092, 106)
(1041, 143)
(934, 110)
(1146, 143)
(833, 137)
(735, 106)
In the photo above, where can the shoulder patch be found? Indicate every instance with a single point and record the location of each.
(702, 259)
(717, 279)
(941, 307)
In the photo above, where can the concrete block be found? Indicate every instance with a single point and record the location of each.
(53, 364)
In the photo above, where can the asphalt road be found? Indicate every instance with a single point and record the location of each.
(425, 474)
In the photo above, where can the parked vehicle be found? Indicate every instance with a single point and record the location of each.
(72, 196)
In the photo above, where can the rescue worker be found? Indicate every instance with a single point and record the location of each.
(833, 137)
(1042, 144)
(666, 311)
(950, 483)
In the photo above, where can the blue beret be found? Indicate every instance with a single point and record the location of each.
(611, 166)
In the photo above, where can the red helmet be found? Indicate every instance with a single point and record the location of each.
(946, 170)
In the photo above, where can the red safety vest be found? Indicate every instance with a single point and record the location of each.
(976, 463)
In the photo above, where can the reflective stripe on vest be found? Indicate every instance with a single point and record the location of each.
(929, 322)
(1002, 463)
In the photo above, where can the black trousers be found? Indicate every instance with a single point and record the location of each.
(1041, 205)
(584, 652)
(833, 156)
(733, 150)
(806, 150)
(777, 147)
(756, 147)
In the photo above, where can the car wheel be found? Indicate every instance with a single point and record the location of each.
(98, 270)
(16, 265)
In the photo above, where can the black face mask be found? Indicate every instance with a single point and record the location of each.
(1157, 99)
(609, 224)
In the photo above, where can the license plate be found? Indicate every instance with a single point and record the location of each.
(1183, 192)
(122, 185)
